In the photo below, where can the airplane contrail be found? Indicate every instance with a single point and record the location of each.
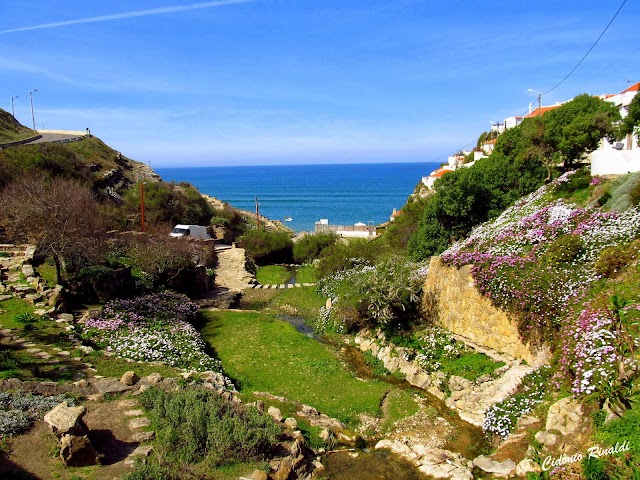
(119, 16)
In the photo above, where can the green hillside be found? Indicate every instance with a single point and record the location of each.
(11, 130)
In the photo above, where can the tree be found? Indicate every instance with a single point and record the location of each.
(631, 123)
(577, 127)
(60, 216)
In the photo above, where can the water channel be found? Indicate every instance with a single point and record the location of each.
(369, 464)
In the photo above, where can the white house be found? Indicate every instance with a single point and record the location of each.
(623, 156)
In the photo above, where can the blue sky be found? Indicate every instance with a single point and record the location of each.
(182, 83)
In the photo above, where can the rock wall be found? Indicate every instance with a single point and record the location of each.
(452, 300)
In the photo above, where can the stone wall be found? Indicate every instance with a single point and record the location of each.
(452, 300)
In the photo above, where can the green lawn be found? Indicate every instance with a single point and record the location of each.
(273, 275)
(301, 302)
(12, 307)
(266, 354)
(307, 274)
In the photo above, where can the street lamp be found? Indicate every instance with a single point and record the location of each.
(13, 112)
(33, 115)
(539, 100)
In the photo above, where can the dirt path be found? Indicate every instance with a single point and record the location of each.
(230, 273)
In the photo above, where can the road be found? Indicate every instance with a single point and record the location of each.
(54, 137)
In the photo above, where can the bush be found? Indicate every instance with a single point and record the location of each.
(310, 247)
(28, 320)
(197, 425)
(19, 410)
(580, 180)
(268, 247)
(612, 260)
(563, 249)
(346, 255)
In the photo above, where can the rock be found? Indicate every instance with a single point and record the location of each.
(134, 413)
(109, 385)
(275, 414)
(138, 423)
(290, 423)
(28, 270)
(143, 436)
(152, 379)
(77, 451)
(458, 383)
(259, 475)
(527, 465)
(318, 468)
(66, 420)
(546, 438)
(324, 435)
(491, 466)
(284, 470)
(564, 416)
(142, 451)
(65, 317)
(129, 378)
(82, 383)
(260, 405)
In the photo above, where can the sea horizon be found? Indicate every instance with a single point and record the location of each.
(344, 193)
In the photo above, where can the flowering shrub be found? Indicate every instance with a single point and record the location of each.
(152, 328)
(18, 411)
(367, 295)
(539, 256)
(503, 416)
(437, 344)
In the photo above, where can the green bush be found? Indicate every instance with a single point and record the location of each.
(309, 247)
(563, 249)
(267, 247)
(578, 181)
(197, 425)
(28, 320)
(346, 255)
(612, 260)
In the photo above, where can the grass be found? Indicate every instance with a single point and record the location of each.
(48, 272)
(12, 307)
(115, 367)
(470, 365)
(273, 275)
(625, 464)
(301, 302)
(399, 404)
(307, 274)
(265, 354)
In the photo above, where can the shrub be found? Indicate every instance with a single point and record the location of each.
(19, 410)
(581, 180)
(267, 247)
(309, 247)
(28, 320)
(199, 425)
(346, 255)
(563, 249)
(612, 260)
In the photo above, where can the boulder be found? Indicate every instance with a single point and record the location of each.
(152, 379)
(564, 416)
(129, 378)
(546, 438)
(500, 469)
(66, 420)
(109, 385)
(275, 414)
(259, 475)
(527, 465)
(65, 317)
(77, 451)
(290, 423)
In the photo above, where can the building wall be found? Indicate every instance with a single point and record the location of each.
(608, 161)
(451, 297)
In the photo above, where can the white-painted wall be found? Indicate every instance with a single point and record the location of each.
(615, 162)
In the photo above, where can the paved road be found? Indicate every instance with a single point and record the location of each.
(53, 137)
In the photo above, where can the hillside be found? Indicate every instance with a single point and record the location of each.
(11, 130)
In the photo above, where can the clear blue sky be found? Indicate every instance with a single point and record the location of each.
(180, 83)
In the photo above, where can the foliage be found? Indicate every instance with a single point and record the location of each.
(151, 328)
(618, 431)
(298, 302)
(28, 320)
(58, 215)
(345, 255)
(307, 274)
(384, 294)
(612, 260)
(626, 193)
(400, 230)
(11, 130)
(267, 247)
(19, 410)
(195, 425)
(310, 247)
(264, 354)
(503, 416)
(630, 125)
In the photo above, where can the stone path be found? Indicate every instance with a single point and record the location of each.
(283, 286)
(230, 272)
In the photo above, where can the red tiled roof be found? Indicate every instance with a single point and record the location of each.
(439, 172)
(633, 88)
(541, 111)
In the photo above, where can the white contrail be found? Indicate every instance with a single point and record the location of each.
(137, 13)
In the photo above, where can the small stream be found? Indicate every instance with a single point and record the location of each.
(371, 464)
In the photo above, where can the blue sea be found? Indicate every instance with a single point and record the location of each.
(343, 194)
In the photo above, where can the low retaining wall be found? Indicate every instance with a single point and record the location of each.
(455, 303)
(20, 142)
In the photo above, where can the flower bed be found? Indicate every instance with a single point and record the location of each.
(18, 411)
(152, 328)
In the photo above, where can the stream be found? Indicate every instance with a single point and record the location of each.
(369, 464)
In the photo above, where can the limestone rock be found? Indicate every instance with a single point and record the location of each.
(77, 451)
(527, 465)
(501, 469)
(284, 470)
(152, 379)
(141, 422)
(129, 378)
(290, 423)
(275, 414)
(109, 385)
(65, 317)
(546, 438)
(259, 475)
(565, 416)
(143, 436)
(66, 420)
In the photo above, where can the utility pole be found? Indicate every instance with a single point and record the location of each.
(539, 101)
(33, 115)
(258, 213)
(13, 112)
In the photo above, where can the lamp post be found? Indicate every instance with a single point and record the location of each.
(33, 115)
(13, 111)
(539, 100)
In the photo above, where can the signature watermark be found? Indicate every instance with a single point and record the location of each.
(593, 452)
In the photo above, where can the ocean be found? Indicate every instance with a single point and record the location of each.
(343, 194)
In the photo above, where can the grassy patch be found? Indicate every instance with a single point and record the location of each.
(265, 354)
(302, 302)
(470, 365)
(115, 367)
(47, 271)
(618, 431)
(273, 275)
(399, 404)
(12, 307)
(307, 274)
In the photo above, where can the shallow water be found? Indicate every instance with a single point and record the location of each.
(379, 465)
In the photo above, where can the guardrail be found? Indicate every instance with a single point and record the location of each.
(20, 142)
